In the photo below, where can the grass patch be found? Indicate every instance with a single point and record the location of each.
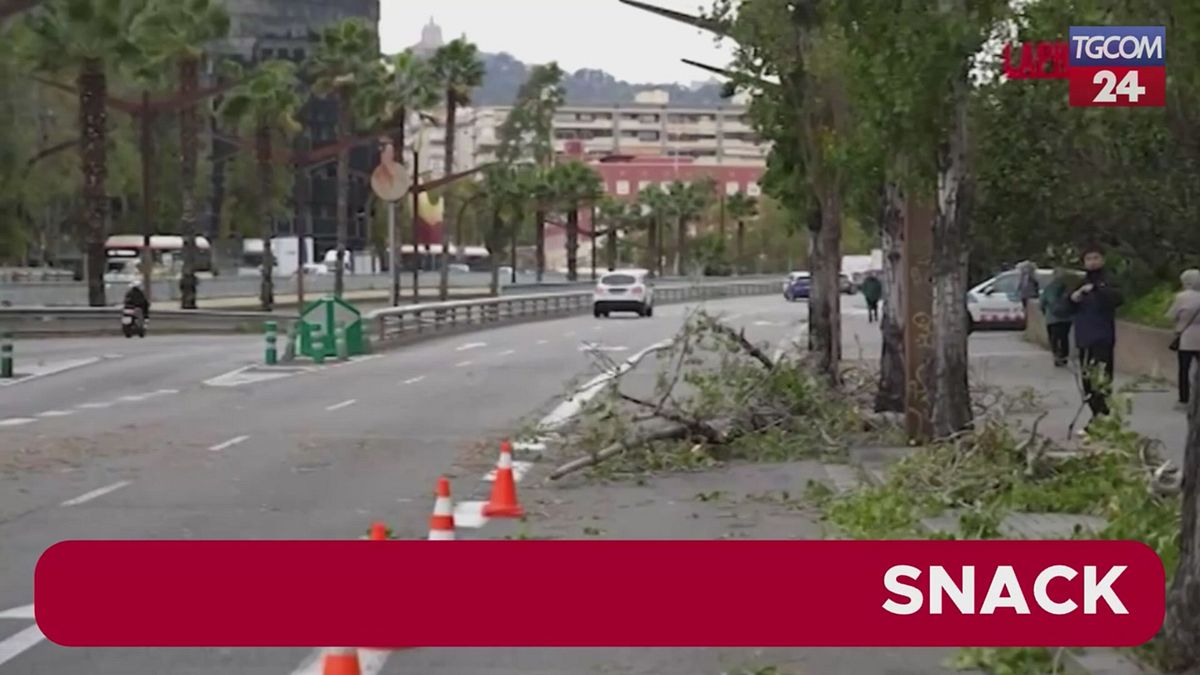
(1150, 309)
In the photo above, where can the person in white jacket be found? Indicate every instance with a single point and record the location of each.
(1185, 313)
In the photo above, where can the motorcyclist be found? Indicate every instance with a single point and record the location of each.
(135, 297)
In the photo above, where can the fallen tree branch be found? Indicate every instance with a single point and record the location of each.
(740, 339)
(669, 433)
(696, 427)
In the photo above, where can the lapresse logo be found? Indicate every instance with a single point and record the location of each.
(1122, 66)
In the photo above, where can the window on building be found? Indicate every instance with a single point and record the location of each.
(564, 134)
(298, 55)
(622, 187)
(648, 136)
(733, 187)
(648, 118)
(753, 190)
(585, 117)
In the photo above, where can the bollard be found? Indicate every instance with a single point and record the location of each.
(289, 347)
(318, 347)
(272, 336)
(343, 349)
(6, 355)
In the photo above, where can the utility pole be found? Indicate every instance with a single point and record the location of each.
(416, 227)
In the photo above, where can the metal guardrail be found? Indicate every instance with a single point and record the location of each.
(67, 321)
(399, 324)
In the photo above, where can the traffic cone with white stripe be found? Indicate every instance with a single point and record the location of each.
(441, 525)
(503, 503)
(341, 661)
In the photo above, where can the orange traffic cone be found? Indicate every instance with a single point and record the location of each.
(441, 525)
(503, 503)
(378, 532)
(341, 661)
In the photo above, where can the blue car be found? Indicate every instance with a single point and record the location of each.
(798, 286)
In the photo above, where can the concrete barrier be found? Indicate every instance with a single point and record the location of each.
(32, 322)
(1140, 350)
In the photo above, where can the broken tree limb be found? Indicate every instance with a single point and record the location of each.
(675, 432)
(740, 339)
(696, 427)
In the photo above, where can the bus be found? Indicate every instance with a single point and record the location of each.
(429, 257)
(124, 252)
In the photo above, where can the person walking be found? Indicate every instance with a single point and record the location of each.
(1094, 305)
(1028, 288)
(1056, 308)
(872, 291)
(1185, 313)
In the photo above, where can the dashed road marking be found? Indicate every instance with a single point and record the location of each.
(508, 352)
(414, 380)
(56, 413)
(94, 494)
(575, 403)
(463, 364)
(135, 398)
(17, 421)
(343, 404)
(25, 612)
(471, 345)
(543, 342)
(229, 443)
(95, 406)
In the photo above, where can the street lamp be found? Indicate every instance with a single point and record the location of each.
(418, 140)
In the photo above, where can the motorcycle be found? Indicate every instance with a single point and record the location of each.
(132, 322)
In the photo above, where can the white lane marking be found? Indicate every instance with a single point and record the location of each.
(593, 347)
(543, 342)
(95, 406)
(13, 646)
(508, 352)
(469, 514)
(370, 662)
(344, 404)
(17, 421)
(229, 443)
(519, 470)
(163, 392)
(25, 612)
(89, 496)
(56, 413)
(575, 403)
(471, 345)
(135, 398)
(463, 364)
(414, 380)
(529, 446)
(52, 370)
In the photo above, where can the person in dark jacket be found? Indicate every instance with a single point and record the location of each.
(1094, 306)
(1056, 308)
(134, 297)
(872, 290)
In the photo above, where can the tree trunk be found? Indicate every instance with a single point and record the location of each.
(825, 299)
(740, 245)
(652, 254)
(448, 168)
(890, 396)
(573, 243)
(343, 195)
(265, 188)
(189, 145)
(539, 229)
(680, 244)
(611, 240)
(395, 257)
(951, 227)
(1182, 625)
(494, 250)
(93, 125)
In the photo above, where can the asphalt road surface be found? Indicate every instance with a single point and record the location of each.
(162, 438)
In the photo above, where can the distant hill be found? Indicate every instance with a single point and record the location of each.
(505, 74)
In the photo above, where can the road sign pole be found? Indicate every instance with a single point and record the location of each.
(393, 254)
(6, 355)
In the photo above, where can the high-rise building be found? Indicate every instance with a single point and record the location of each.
(287, 29)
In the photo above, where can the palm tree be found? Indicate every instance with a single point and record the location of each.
(175, 32)
(576, 184)
(413, 89)
(689, 201)
(266, 103)
(458, 69)
(543, 190)
(657, 208)
(345, 65)
(89, 39)
(616, 216)
(740, 207)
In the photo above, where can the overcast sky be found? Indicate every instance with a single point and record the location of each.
(630, 44)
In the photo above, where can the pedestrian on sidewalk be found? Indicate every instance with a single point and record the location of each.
(1057, 310)
(1094, 307)
(872, 290)
(1028, 284)
(1185, 312)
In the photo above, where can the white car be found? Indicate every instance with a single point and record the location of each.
(624, 291)
(996, 303)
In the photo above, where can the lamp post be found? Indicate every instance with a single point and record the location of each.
(418, 139)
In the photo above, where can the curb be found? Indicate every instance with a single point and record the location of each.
(873, 463)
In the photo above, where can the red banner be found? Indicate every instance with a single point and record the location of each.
(391, 594)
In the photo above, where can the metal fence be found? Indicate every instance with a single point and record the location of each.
(71, 321)
(399, 324)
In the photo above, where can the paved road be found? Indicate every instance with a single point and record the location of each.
(140, 447)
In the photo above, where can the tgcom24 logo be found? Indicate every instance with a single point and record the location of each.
(1105, 66)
